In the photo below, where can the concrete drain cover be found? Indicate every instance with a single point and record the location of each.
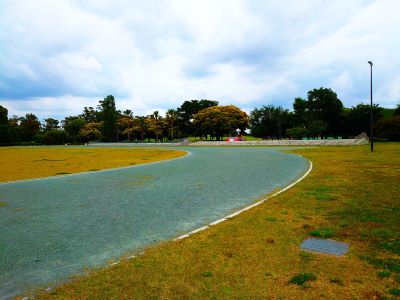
(325, 246)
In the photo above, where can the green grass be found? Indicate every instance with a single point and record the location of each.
(323, 233)
(351, 193)
(395, 291)
(302, 278)
(384, 274)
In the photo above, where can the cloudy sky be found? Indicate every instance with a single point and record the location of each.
(57, 56)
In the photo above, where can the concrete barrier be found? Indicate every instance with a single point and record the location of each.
(332, 142)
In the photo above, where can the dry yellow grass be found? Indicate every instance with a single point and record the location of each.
(254, 255)
(33, 162)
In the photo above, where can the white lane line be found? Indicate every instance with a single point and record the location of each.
(198, 230)
(217, 222)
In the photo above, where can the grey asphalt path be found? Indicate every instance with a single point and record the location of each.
(52, 228)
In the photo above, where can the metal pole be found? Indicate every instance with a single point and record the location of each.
(371, 116)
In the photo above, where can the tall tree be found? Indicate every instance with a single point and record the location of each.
(108, 115)
(73, 125)
(140, 126)
(397, 110)
(171, 118)
(125, 125)
(389, 128)
(301, 113)
(220, 120)
(89, 114)
(91, 131)
(270, 121)
(324, 105)
(155, 124)
(8, 132)
(127, 113)
(358, 118)
(188, 109)
(3, 115)
(50, 124)
(29, 126)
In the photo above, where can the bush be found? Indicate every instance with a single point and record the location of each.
(52, 137)
(302, 278)
(388, 128)
(322, 233)
(297, 133)
(8, 135)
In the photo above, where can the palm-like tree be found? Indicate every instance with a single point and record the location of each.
(171, 119)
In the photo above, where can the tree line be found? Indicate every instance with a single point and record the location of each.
(321, 114)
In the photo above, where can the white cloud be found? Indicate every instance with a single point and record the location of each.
(154, 55)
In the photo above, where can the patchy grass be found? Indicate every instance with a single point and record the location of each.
(395, 291)
(34, 162)
(323, 233)
(384, 274)
(302, 278)
(306, 256)
(336, 280)
(244, 265)
(2, 203)
(62, 173)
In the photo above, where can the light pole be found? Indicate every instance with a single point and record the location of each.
(371, 116)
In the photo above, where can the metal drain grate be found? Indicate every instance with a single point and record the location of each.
(325, 246)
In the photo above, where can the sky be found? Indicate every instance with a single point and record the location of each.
(57, 56)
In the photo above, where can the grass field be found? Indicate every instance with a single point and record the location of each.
(33, 162)
(351, 195)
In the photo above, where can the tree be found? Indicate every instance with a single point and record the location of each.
(324, 105)
(127, 113)
(171, 118)
(29, 126)
(108, 115)
(8, 133)
(52, 137)
(188, 109)
(301, 113)
(50, 124)
(125, 125)
(3, 115)
(155, 124)
(389, 128)
(91, 131)
(270, 121)
(397, 110)
(220, 120)
(89, 114)
(73, 125)
(297, 133)
(140, 126)
(358, 118)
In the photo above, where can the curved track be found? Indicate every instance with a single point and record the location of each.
(54, 227)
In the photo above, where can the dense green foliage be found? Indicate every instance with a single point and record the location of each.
(270, 121)
(320, 115)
